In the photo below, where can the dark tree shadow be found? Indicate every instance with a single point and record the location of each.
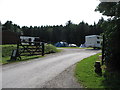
(112, 80)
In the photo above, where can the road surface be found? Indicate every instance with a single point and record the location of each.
(36, 73)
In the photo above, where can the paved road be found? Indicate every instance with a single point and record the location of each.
(35, 73)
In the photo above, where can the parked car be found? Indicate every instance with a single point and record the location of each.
(72, 45)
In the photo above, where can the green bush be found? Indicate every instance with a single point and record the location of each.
(49, 48)
(7, 50)
(112, 49)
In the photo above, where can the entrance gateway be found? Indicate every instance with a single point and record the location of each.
(28, 46)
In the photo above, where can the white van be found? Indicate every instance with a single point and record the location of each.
(93, 41)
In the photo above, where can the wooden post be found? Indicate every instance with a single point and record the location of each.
(103, 49)
(43, 47)
(98, 69)
(14, 53)
(17, 53)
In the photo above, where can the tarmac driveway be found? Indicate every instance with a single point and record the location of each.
(41, 72)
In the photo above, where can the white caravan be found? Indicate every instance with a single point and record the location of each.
(93, 41)
(26, 38)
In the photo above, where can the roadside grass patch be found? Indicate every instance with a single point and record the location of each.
(86, 76)
(75, 47)
(5, 60)
(7, 51)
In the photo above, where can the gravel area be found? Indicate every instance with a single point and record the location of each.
(66, 79)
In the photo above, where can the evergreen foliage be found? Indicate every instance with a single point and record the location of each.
(71, 33)
(111, 29)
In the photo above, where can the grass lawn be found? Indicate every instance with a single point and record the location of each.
(84, 72)
(75, 47)
(7, 51)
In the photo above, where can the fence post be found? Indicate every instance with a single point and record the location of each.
(43, 47)
(15, 53)
(103, 49)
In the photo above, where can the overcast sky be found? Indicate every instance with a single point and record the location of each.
(48, 12)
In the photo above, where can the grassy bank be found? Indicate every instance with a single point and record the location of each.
(84, 72)
(7, 51)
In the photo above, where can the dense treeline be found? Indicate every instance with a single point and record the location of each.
(111, 31)
(9, 26)
(71, 33)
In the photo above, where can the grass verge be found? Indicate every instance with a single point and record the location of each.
(74, 47)
(7, 51)
(86, 76)
(5, 60)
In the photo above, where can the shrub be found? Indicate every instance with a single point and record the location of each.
(49, 48)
